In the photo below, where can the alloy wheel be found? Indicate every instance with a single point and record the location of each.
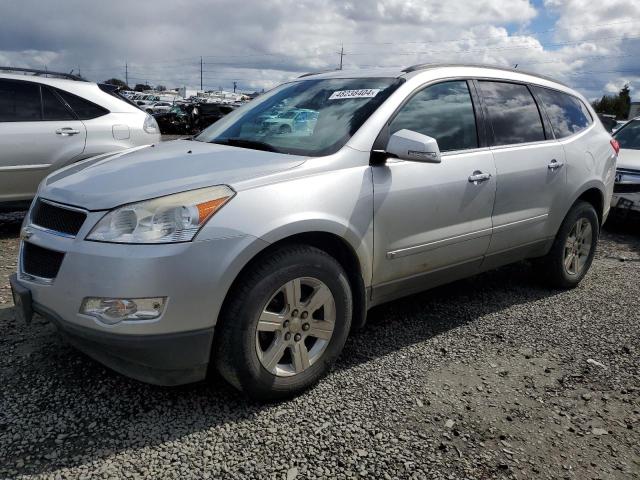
(578, 246)
(295, 326)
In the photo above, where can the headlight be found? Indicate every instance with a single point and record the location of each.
(170, 219)
(150, 125)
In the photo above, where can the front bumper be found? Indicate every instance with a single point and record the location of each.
(195, 277)
(168, 359)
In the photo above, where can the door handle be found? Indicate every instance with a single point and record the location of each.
(67, 131)
(554, 165)
(479, 177)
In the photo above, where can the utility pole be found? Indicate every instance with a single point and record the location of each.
(341, 55)
(126, 74)
(201, 74)
(234, 86)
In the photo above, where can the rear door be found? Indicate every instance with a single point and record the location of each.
(530, 165)
(38, 133)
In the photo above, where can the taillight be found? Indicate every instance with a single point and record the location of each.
(615, 145)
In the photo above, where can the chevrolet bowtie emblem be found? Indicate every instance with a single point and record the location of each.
(26, 233)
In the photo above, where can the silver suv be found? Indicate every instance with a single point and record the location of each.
(257, 251)
(49, 120)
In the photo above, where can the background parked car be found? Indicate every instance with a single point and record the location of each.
(159, 107)
(626, 196)
(47, 122)
(178, 120)
(204, 114)
(609, 121)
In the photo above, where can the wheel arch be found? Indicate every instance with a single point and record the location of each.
(594, 194)
(334, 245)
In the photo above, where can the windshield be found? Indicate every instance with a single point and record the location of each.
(629, 135)
(307, 117)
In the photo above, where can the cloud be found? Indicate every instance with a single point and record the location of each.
(262, 43)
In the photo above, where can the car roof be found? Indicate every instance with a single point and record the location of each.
(439, 70)
(85, 89)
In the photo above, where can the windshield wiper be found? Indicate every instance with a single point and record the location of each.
(244, 142)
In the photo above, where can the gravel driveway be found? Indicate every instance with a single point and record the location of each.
(490, 377)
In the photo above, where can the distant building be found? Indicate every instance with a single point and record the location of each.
(634, 111)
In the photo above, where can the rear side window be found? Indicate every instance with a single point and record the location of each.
(52, 108)
(443, 111)
(567, 114)
(84, 109)
(19, 101)
(513, 113)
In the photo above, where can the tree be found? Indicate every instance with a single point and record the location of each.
(160, 88)
(141, 87)
(117, 82)
(617, 105)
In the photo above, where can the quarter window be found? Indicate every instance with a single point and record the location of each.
(19, 101)
(443, 111)
(52, 108)
(84, 109)
(567, 114)
(513, 113)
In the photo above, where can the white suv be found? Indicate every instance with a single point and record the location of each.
(49, 120)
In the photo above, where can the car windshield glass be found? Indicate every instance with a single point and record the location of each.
(306, 117)
(629, 135)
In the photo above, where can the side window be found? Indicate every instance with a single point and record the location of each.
(513, 113)
(567, 114)
(19, 101)
(443, 111)
(84, 109)
(52, 108)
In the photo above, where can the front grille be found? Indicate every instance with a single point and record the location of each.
(57, 218)
(40, 262)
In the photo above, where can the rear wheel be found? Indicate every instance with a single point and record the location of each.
(285, 323)
(573, 248)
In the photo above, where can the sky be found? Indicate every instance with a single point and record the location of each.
(593, 46)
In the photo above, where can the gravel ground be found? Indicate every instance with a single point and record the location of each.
(491, 377)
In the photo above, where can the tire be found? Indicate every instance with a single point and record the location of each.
(552, 268)
(265, 296)
(284, 129)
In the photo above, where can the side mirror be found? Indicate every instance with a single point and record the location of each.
(414, 146)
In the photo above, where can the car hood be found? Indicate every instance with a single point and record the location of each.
(628, 158)
(107, 181)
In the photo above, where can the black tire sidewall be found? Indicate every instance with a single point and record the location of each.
(580, 210)
(250, 375)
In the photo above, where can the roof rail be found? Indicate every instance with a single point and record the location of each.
(426, 66)
(317, 73)
(45, 73)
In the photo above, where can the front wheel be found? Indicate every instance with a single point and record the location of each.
(573, 249)
(285, 323)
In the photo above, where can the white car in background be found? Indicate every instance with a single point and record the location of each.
(50, 120)
(626, 193)
(159, 107)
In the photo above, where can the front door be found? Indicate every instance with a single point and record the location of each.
(433, 221)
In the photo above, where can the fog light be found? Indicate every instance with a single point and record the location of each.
(115, 310)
